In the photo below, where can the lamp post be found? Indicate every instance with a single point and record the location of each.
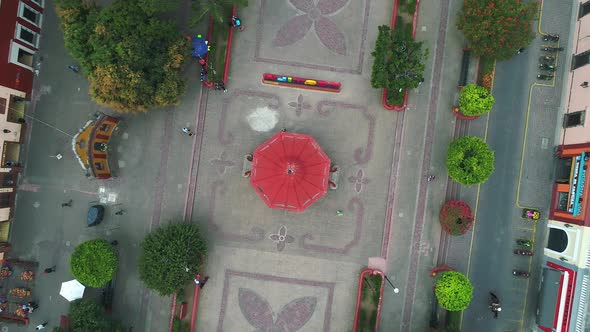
(395, 289)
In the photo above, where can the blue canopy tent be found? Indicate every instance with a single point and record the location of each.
(200, 47)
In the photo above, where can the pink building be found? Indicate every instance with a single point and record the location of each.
(20, 29)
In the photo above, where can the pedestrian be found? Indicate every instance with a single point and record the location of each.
(187, 131)
(114, 242)
(431, 177)
(120, 212)
(41, 326)
(68, 203)
(74, 68)
(204, 282)
(339, 213)
(33, 305)
(49, 270)
(220, 86)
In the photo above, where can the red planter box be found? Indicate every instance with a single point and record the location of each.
(359, 297)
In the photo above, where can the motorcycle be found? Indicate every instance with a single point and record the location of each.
(203, 75)
(547, 67)
(545, 58)
(550, 37)
(495, 304)
(523, 252)
(236, 23)
(526, 243)
(544, 77)
(518, 273)
(527, 213)
(551, 49)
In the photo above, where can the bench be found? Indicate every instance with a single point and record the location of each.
(464, 68)
(333, 179)
(247, 166)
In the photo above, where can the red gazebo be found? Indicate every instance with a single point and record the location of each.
(290, 171)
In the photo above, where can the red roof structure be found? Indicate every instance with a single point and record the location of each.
(290, 171)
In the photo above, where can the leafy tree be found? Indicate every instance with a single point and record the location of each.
(497, 28)
(399, 62)
(470, 160)
(220, 10)
(453, 291)
(157, 6)
(87, 315)
(167, 252)
(94, 263)
(131, 57)
(475, 100)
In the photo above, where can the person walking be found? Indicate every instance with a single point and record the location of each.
(187, 131)
(67, 204)
(431, 178)
(49, 270)
(202, 284)
(74, 68)
(120, 212)
(41, 326)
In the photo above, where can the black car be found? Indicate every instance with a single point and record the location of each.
(95, 215)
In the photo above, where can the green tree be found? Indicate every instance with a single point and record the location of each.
(167, 253)
(87, 315)
(220, 10)
(475, 100)
(158, 6)
(399, 62)
(497, 29)
(94, 263)
(453, 291)
(470, 160)
(131, 57)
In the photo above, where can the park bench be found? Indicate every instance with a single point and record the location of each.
(333, 179)
(464, 68)
(247, 166)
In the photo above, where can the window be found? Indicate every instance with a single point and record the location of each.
(27, 35)
(562, 199)
(21, 55)
(2, 105)
(29, 14)
(557, 240)
(584, 9)
(573, 119)
(581, 59)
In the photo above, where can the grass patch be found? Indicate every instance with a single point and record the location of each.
(180, 325)
(216, 60)
(453, 321)
(369, 302)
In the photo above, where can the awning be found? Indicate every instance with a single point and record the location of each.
(548, 299)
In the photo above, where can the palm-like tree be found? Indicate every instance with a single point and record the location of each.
(217, 9)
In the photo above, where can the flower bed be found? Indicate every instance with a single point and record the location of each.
(408, 15)
(369, 300)
(456, 217)
(219, 57)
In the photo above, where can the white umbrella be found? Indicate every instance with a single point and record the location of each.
(72, 290)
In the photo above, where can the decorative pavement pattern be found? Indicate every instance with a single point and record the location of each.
(257, 311)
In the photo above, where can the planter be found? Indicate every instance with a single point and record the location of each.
(369, 300)
(228, 47)
(386, 105)
(456, 217)
(458, 115)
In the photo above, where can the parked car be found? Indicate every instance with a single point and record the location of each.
(95, 215)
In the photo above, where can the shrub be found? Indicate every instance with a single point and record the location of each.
(497, 29)
(399, 62)
(487, 80)
(475, 100)
(453, 291)
(470, 160)
(167, 253)
(94, 263)
(455, 217)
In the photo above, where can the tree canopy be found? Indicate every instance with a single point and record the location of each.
(399, 62)
(219, 10)
(167, 252)
(475, 100)
(453, 291)
(86, 315)
(94, 263)
(131, 57)
(497, 29)
(470, 160)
